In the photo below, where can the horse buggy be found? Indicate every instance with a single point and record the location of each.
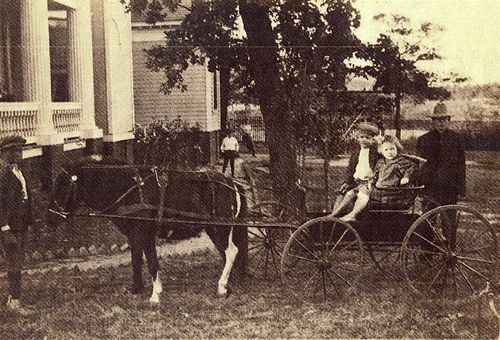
(449, 251)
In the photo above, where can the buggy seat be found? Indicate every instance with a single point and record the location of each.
(394, 198)
(397, 198)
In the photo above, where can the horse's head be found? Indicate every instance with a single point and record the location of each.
(63, 200)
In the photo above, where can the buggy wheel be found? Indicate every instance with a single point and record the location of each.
(323, 259)
(265, 245)
(450, 252)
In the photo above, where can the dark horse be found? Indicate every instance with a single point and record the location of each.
(144, 195)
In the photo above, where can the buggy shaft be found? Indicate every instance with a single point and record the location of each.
(243, 223)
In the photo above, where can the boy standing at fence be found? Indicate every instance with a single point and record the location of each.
(360, 169)
(247, 138)
(229, 148)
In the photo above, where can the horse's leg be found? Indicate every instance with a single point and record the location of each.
(135, 240)
(152, 262)
(231, 252)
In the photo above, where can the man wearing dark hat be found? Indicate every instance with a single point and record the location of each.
(15, 216)
(444, 172)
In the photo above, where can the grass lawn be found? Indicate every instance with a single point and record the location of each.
(76, 305)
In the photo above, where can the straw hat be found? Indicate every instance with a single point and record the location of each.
(368, 127)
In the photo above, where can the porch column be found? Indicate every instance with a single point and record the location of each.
(81, 74)
(36, 66)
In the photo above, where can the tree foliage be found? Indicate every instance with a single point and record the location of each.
(395, 62)
(266, 44)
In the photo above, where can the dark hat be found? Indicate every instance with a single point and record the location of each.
(11, 141)
(440, 111)
(368, 127)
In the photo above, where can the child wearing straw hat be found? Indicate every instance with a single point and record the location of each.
(360, 168)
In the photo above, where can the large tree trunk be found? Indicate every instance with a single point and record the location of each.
(397, 117)
(273, 105)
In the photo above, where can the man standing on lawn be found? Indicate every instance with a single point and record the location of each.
(15, 217)
(444, 172)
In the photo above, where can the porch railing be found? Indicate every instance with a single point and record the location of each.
(19, 118)
(67, 118)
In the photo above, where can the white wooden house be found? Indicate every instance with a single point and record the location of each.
(199, 105)
(66, 79)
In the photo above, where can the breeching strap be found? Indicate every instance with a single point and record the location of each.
(162, 181)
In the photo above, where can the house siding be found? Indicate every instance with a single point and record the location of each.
(152, 104)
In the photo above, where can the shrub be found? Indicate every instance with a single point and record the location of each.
(174, 144)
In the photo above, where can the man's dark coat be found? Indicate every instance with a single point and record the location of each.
(444, 173)
(14, 211)
(373, 157)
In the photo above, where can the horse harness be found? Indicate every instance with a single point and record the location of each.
(162, 181)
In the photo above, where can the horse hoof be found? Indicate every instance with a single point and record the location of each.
(224, 294)
(154, 299)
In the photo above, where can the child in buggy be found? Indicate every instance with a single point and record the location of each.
(392, 171)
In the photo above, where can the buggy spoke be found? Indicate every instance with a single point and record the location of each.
(344, 268)
(341, 277)
(466, 258)
(427, 271)
(430, 242)
(324, 284)
(307, 249)
(254, 255)
(258, 245)
(274, 261)
(309, 239)
(321, 237)
(255, 234)
(473, 270)
(437, 275)
(338, 241)
(330, 237)
(443, 284)
(332, 282)
(466, 279)
(316, 270)
(266, 262)
(303, 258)
(443, 242)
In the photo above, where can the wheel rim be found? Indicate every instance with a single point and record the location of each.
(265, 246)
(322, 260)
(439, 261)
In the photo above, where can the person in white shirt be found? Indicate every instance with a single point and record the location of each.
(360, 169)
(229, 148)
(15, 217)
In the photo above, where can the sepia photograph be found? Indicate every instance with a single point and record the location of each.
(249, 169)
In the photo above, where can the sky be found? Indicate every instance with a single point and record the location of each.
(469, 43)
